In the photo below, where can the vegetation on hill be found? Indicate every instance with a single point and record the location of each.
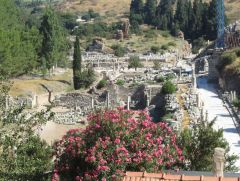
(229, 64)
(197, 19)
(24, 45)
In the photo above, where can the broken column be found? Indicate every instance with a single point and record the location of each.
(218, 161)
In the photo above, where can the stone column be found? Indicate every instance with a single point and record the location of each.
(36, 100)
(234, 95)
(194, 82)
(180, 74)
(218, 162)
(7, 102)
(148, 102)
(206, 117)
(108, 101)
(231, 96)
(128, 102)
(198, 100)
(150, 94)
(92, 101)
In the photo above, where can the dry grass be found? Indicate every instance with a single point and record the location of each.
(57, 83)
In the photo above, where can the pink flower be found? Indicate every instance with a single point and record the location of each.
(117, 141)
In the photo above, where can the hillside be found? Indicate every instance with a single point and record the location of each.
(117, 8)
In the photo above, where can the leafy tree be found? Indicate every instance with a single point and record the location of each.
(23, 155)
(169, 88)
(134, 62)
(198, 146)
(77, 63)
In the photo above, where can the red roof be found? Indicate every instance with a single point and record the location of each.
(144, 176)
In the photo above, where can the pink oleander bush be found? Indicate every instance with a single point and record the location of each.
(116, 141)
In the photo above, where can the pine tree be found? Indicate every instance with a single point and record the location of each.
(150, 11)
(77, 63)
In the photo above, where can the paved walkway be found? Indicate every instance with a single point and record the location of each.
(215, 107)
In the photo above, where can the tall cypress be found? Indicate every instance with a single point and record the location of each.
(211, 27)
(46, 29)
(165, 14)
(150, 11)
(181, 16)
(136, 12)
(136, 6)
(77, 63)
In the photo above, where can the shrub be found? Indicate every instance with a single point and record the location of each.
(165, 34)
(169, 88)
(198, 44)
(226, 59)
(155, 49)
(151, 34)
(172, 44)
(119, 50)
(120, 82)
(236, 103)
(114, 142)
(164, 47)
(85, 78)
(237, 52)
(159, 79)
(102, 83)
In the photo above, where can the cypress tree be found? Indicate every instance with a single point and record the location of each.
(46, 29)
(181, 16)
(211, 27)
(150, 11)
(165, 14)
(77, 64)
(136, 12)
(136, 6)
